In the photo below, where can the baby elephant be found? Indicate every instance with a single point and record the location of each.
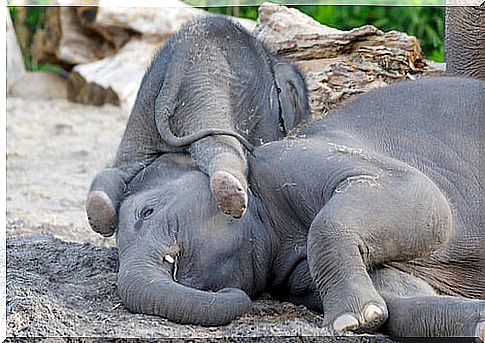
(210, 88)
(371, 216)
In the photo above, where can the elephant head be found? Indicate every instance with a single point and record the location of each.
(465, 41)
(180, 258)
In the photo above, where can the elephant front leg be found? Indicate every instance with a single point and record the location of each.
(223, 159)
(365, 224)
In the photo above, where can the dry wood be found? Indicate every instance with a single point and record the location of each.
(338, 64)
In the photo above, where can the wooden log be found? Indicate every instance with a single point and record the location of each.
(338, 65)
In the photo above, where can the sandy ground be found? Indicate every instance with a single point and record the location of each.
(61, 277)
(54, 149)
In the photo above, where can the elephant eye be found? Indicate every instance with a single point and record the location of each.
(146, 212)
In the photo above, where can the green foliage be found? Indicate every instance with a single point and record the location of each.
(25, 25)
(250, 12)
(423, 22)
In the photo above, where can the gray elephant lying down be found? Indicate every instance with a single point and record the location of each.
(211, 77)
(370, 216)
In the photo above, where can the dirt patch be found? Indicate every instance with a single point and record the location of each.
(54, 149)
(58, 288)
(61, 277)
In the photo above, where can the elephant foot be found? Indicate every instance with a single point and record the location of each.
(368, 320)
(101, 213)
(435, 316)
(229, 194)
(480, 330)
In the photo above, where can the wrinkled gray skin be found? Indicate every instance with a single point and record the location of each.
(370, 216)
(212, 77)
(465, 41)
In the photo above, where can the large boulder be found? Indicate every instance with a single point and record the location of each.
(107, 48)
(114, 79)
(64, 41)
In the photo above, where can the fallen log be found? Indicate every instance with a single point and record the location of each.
(338, 65)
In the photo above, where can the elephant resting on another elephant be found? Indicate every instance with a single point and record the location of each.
(211, 78)
(370, 216)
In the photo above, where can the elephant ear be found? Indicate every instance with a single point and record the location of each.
(292, 95)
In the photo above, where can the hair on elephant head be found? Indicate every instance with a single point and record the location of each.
(181, 258)
(211, 90)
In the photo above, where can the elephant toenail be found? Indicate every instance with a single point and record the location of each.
(346, 322)
(480, 331)
(372, 312)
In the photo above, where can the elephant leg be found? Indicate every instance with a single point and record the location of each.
(364, 224)
(415, 310)
(105, 194)
(223, 159)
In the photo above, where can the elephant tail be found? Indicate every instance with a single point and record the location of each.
(176, 141)
(165, 105)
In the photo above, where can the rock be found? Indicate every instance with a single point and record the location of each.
(159, 21)
(58, 288)
(338, 65)
(40, 85)
(136, 33)
(65, 42)
(15, 61)
(115, 79)
(113, 21)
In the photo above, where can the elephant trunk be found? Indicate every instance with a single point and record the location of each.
(151, 290)
(465, 55)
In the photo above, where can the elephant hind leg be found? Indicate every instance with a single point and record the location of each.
(415, 310)
(224, 161)
(366, 224)
(229, 193)
(435, 316)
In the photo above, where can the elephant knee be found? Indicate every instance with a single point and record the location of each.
(440, 220)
